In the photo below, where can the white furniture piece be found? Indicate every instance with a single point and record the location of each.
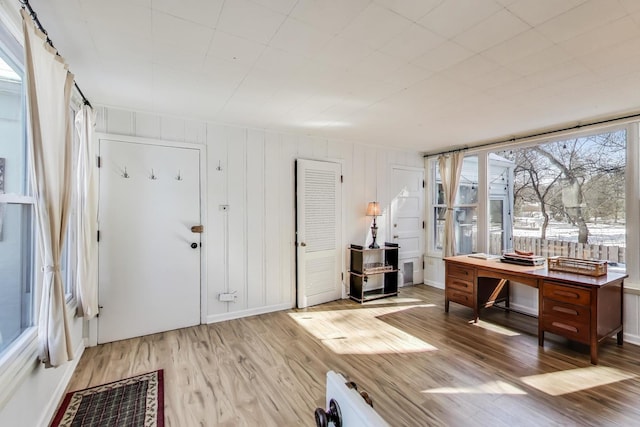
(346, 407)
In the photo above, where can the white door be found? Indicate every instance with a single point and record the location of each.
(407, 216)
(318, 232)
(149, 259)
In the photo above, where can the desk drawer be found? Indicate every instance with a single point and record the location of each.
(459, 284)
(460, 297)
(459, 272)
(564, 293)
(555, 310)
(573, 330)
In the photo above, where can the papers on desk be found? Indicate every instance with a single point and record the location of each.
(481, 255)
(514, 258)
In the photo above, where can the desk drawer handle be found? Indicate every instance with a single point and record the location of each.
(567, 294)
(565, 310)
(461, 295)
(461, 284)
(565, 327)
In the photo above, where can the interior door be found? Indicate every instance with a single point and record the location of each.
(318, 232)
(149, 258)
(407, 216)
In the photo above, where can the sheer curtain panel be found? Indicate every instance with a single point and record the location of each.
(49, 85)
(87, 216)
(450, 167)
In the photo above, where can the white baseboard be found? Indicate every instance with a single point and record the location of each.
(524, 308)
(58, 394)
(434, 284)
(631, 339)
(214, 318)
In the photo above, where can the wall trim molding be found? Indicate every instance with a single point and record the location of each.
(215, 318)
(58, 394)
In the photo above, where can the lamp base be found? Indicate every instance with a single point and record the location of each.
(374, 234)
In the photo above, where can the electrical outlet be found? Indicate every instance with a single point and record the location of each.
(227, 297)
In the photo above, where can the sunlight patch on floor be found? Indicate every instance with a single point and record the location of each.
(359, 331)
(395, 300)
(493, 387)
(495, 328)
(573, 380)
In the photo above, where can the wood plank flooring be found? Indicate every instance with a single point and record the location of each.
(420, 365)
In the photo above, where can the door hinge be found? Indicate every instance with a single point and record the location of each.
(342, 276)
(423, 183)
(423, 225)
(423, 264)
(98, 233)
(99, 161)
(341, 179)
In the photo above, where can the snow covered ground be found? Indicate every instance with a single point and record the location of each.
(599, 233)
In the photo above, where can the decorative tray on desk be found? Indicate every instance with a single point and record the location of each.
(579, 266)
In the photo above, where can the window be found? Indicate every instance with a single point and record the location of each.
(16, 204)
(569, 197)
(465, 210)
(563, 197)
(68, 262)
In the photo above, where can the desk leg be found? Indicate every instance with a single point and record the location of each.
(446, 304)
(619, 337)
(540, 338)
(594, 354)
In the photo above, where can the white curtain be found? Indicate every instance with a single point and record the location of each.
(450, 167)
(86, 215)
(49, 85)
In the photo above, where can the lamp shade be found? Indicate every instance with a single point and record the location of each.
(373, 209)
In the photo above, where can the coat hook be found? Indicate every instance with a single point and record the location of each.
(153, 175)
(125, 174)
(219, 168)
(179, 177)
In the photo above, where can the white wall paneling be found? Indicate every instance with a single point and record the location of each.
(217, 219)
(236, 190)
(256, 213)
(250, 247)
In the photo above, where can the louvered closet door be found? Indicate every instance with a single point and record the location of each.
(318, 232)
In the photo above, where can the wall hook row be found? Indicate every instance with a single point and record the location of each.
(153, 176)
(125, 174)
(178, 177)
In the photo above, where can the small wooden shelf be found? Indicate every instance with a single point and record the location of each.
(374, 294)
(385, 260)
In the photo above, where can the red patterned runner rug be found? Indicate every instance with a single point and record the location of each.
(132, 402)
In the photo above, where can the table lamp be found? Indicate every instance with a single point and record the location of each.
(373, 209)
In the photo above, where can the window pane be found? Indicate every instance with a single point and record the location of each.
(466, 226)
(15, 271)
(496, 226)
(468, 188)
(16, 225)
(569, 197)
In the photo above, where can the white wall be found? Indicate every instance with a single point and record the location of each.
(35, 392)
(251, 244)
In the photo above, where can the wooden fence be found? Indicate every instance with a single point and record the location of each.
(548, 248)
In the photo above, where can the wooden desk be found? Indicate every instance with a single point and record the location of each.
(578, 307)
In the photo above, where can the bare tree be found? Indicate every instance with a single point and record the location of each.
(572, 178)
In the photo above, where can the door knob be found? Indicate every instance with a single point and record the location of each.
(194, 245)
(395, 236)
(303, 244)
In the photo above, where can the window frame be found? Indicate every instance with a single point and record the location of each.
(16, 361)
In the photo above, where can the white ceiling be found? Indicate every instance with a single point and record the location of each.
(415, 74)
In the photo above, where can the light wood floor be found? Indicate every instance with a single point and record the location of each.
(420, 365)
